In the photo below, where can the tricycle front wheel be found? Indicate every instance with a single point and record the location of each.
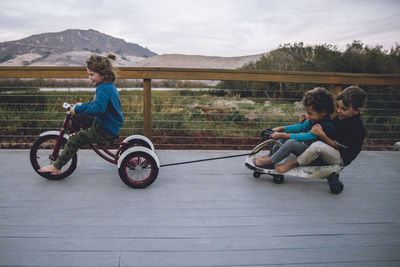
(41, 155)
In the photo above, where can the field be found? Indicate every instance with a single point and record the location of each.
(181, 118)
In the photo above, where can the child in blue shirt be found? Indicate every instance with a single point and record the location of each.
(318, 103)
(106, 110)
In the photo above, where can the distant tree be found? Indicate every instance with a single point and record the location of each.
(357, 58)
(395, 54)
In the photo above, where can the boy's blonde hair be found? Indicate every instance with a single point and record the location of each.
(102, 65)
(320, 100)
(354, 96)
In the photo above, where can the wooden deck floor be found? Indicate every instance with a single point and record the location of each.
(205, 214)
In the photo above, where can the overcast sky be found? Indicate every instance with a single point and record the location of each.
(210, 27)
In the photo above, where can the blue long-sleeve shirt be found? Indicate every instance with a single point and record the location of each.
(106, 108)
(302, 131)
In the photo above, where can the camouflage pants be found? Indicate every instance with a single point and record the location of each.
(93, 134)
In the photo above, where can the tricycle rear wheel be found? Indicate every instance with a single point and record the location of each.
(138, 169)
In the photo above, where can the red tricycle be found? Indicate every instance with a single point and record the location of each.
(137, 162)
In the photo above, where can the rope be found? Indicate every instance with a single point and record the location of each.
(200, 160)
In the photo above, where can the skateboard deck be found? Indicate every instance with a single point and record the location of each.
(317, 172)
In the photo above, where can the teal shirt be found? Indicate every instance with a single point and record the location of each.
(106, 108)
(302, 131)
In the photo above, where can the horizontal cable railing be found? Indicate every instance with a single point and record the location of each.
(205, 118)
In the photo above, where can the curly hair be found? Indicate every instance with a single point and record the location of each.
(320, 100)
(102, 65)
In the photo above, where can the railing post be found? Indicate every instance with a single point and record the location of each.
(147, 108)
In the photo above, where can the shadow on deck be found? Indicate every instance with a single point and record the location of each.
(205, 214)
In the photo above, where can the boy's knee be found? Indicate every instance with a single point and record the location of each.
(317, 144)
(73, 137)
(318, 147)
(73, 142)
(77, 140)
(290, 142)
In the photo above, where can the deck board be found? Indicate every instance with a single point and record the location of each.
(204, 214)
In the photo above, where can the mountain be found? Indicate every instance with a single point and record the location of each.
(73, 47)
(68, 48)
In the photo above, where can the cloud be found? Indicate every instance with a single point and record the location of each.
(210, 27)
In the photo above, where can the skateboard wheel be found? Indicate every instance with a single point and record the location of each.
(335, 185)
(256, 174)
(278, 179)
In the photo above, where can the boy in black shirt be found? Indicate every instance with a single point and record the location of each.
(349, 134)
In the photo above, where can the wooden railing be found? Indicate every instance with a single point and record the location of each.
(147, 74)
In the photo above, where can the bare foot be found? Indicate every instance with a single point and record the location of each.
(287, 166)
(262, 160)
(51, 169)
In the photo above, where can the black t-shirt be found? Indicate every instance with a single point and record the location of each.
(349, 135)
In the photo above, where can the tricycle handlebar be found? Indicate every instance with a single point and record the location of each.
(67, 105)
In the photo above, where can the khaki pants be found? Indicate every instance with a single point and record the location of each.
(321, 150)
(93, 134)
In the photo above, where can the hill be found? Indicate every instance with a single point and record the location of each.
(195, 61)
(68, 48)
(73, 47)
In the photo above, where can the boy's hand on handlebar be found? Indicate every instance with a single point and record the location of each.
(72, 109)
(279, 129)
(276, 136)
